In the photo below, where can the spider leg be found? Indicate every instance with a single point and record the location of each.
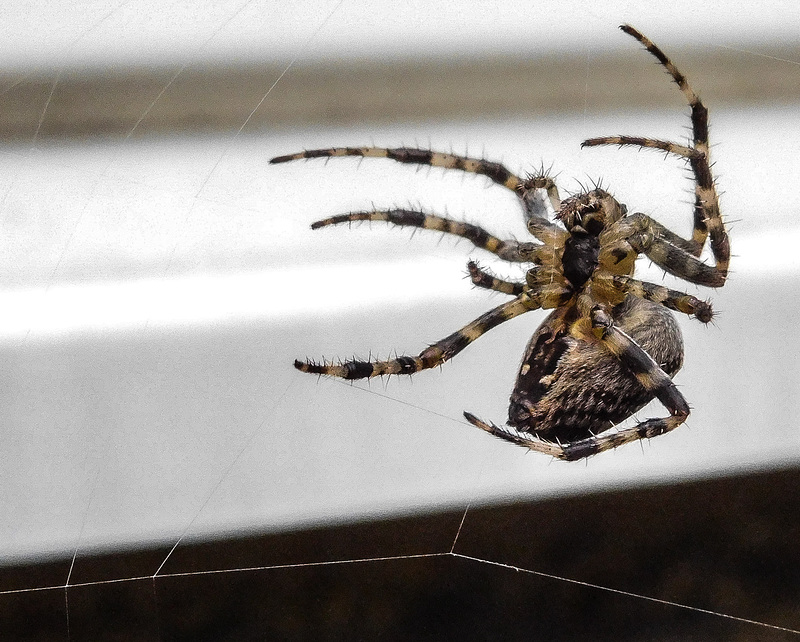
(495, 171)
(707, 218)
(515, 437)
(639, 234)
(667, 235)
(672, 299)
(512, 251)
(433, 355)
(484, 279)
(699, 111)
(529, 191)
(537, 193)
(646, 371)
(582, 448)
(680, 263)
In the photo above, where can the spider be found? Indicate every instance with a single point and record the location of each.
(610, 344)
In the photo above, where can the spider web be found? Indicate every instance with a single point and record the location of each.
(320, 430)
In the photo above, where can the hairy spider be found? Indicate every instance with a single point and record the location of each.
(610, 345)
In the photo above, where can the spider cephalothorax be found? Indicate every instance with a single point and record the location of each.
(610, 345)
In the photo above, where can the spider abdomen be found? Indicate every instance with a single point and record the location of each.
(570, 387)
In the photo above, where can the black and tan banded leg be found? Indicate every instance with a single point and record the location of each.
(528, 190)
(680, 263)
(495, 171)
(672, 299)
(639, 230)
(675, 255)
(639, 234)
(708, 220)
(433, 355)
(512, 251)
(667, 235)
(646, 371)
(707, 217)
(485, 279)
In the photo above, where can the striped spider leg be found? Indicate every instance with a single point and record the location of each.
(673, 253)
(533, 193)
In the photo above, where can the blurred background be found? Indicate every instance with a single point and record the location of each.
(159, 278)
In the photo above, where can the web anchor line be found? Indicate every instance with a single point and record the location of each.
(387, 558)
(414, 556)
